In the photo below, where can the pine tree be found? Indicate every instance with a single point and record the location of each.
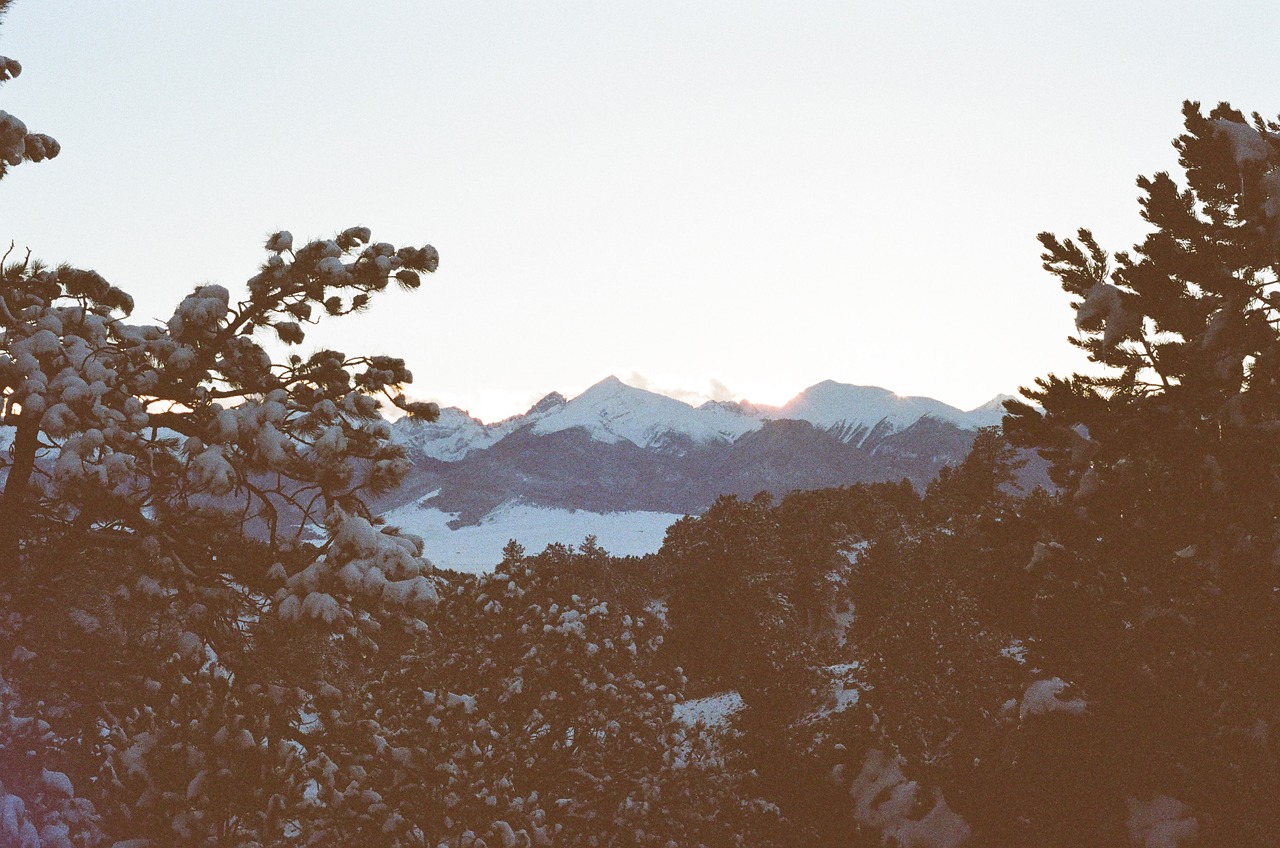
(1160, 600)
(122, 425)
(166, 622)
(161, 480)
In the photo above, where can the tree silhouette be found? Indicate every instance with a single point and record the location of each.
(1160, 599)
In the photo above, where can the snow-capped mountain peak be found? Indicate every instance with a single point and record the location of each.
(855, 411)
(456, 433)
(611, 411)
(450, 437)
(990, 413)
(548, 403)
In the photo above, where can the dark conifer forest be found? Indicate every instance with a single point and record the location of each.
(184, 661)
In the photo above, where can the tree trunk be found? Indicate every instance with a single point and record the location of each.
(13, 506)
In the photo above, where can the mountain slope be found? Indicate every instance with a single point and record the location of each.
(569, 469)
(611, 411)
(855, 412)
(456, 433)
(617, 448)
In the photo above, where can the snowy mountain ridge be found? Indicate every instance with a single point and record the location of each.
(854, 412)
(612, 411)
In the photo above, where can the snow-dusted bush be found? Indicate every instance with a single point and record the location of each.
(528, 715)
(124, 424)
(202, 758)
(39, 805)
(162, 482)
(361, 563)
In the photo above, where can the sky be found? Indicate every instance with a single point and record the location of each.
(710, 199)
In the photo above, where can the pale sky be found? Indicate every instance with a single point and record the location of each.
(729, 198)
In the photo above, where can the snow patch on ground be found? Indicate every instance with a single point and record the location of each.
(843, 621)
(1162, 822)
(854, 551)
(885, 800)
(478, 549)
(1015, 651)
(1043, 697)
(711, 711)
(844, 692)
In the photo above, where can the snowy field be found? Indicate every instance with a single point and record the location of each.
(714, 711)
(478, 549)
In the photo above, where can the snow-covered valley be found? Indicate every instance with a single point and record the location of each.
(478, 548)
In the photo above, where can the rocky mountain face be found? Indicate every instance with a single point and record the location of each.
(616, 448)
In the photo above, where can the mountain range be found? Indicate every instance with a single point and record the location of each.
(622, 463)
(618, 448)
